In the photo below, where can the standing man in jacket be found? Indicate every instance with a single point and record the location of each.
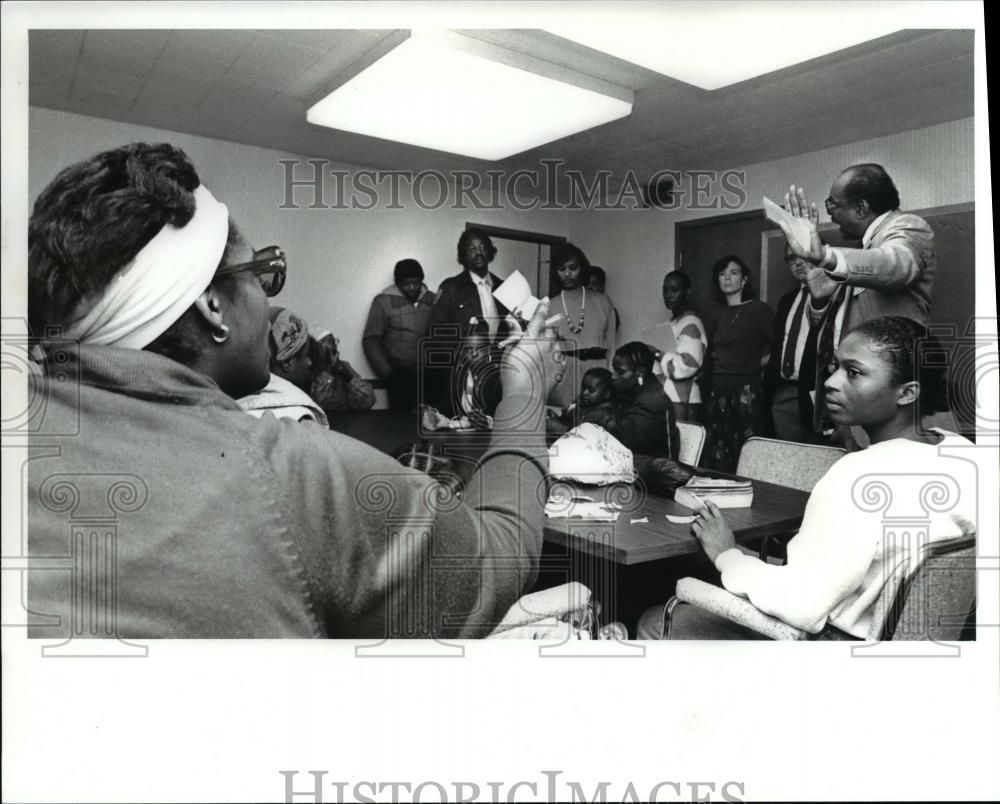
(790, 376)
(397, 321)
(462, 298)
(892, 273)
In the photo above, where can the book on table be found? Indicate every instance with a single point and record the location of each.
(724, 492)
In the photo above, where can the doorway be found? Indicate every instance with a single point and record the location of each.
(524, 251)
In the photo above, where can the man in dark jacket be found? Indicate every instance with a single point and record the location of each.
(461, 298)
(397, 321)
(790, 375)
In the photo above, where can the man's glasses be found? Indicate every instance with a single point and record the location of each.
(832, 206)
(268, 265)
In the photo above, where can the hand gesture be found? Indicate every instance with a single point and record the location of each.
(797, 206)
(532, 362)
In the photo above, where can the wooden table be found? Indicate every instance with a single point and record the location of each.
(627, 566)
(775, 510)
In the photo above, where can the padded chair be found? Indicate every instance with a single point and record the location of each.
(934, 601)
(785, 463)
(692, 442)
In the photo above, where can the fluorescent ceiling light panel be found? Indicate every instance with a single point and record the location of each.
(452, 93)
(713, 45)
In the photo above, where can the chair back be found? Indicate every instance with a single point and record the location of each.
(692, 442)
(935, 600)
(786, 463)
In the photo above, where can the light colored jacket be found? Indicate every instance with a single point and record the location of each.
(893, 275)
(394, 328)
(285, 400)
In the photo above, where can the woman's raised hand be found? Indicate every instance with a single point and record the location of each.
(532, 362)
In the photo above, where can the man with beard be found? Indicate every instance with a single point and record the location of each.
(460, 299)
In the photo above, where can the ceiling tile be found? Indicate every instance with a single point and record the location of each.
(57, 44)
(176, 94)
(113, 83)
(134, 51)
(210, 50)
(252, 87)
(50, 83)
(271, 65)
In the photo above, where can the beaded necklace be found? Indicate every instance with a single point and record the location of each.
(576, 330)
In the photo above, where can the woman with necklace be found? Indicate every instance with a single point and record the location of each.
(587, 328)
(742, 345)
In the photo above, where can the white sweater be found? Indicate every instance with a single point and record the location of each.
(839, 561)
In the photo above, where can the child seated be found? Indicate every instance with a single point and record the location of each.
(334, 383)
(593, 405)
(476, 391)
(475, 385)
(285, 395)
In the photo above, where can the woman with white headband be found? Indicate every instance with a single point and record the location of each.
(143, 292)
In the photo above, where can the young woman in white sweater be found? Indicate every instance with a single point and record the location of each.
(885, 379)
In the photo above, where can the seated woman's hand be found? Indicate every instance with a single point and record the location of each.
(710, 528)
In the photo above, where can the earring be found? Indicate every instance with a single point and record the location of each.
(221, 335)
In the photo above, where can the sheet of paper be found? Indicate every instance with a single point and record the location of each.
(514, 293)
(798, 226)
(661, 338)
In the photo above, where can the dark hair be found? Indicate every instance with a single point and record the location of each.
(563, 253)
(638, 354)
(598, 272)
(913, 354)
(95, 216)
(601, 374)
(467, 235)
(680, 276)
(720, 265)
(407, 269)
(869, 182)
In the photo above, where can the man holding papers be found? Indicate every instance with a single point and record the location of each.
(892, 273)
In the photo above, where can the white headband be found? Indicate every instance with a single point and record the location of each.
(162, 281)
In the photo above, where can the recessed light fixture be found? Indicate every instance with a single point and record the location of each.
(455, 93)
(714, 45)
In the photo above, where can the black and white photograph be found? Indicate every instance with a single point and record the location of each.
(464, 401)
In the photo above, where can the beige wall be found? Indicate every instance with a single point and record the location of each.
(338, 259)
(930, 166)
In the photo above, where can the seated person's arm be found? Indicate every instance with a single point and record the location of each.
(827, 559)
(641, 428)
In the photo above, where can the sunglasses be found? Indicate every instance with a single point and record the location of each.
(268, 265)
